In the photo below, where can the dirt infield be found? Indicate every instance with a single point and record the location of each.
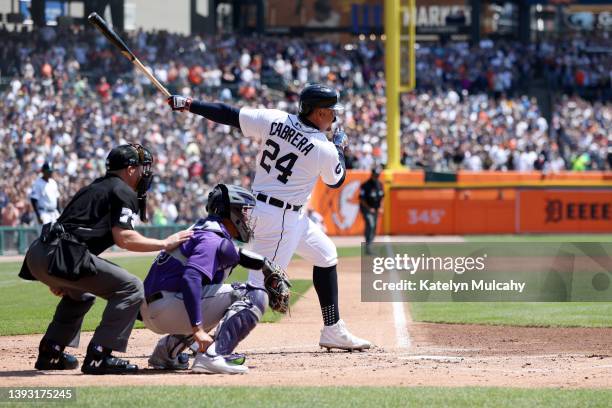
(286, 353)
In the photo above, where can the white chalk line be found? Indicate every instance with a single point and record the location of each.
(399, 314)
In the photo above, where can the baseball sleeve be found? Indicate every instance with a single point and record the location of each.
(199, 270)
(36, 190)
(123, 207)
(253, 123)
(227, 253)
(332, 166)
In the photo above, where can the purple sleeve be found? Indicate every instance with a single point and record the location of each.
(191, 287)
(228, 253)
(201, 264)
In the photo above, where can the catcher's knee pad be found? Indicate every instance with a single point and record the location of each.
(240, 318)
(258, 296)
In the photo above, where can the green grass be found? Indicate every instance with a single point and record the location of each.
(343, 252)
(541, 238)
(335, 397)
(27, 307)
(571, 314)
(515, 314)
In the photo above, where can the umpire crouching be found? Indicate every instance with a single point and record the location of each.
(65, 258)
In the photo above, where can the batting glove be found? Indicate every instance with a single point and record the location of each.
(340, 138)
(179, 103)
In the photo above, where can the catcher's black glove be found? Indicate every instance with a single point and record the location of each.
(277, 285)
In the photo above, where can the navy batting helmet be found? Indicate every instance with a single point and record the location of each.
(318, 96)
(233, 203)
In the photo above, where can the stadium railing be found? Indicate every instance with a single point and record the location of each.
(16, 240)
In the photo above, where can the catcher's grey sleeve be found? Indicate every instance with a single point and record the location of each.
(251, 260)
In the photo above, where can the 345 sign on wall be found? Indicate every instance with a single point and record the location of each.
(426, 216)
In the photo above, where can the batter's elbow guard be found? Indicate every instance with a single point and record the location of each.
(341, 168)
(339, 183)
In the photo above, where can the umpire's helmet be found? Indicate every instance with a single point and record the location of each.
(318, 96)
(234, 203)
(129, 155)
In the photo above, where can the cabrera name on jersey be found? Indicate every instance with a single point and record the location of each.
(292, 155)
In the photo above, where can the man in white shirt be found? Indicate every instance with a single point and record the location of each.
(45, 196)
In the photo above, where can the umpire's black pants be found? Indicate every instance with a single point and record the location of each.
(370, 219)
(123, 291)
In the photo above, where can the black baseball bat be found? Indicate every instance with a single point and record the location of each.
(112, 36)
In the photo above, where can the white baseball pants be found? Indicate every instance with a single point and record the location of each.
(279, 233)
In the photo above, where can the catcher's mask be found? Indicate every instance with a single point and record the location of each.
(129, 155)
(236, 204)
(134, 155)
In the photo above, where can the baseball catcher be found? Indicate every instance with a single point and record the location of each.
(186, 297)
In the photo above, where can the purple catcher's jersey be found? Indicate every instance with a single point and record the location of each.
(210, 251)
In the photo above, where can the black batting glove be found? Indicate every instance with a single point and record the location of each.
(179, 103)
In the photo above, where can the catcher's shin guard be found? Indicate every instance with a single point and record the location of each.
(241, 317)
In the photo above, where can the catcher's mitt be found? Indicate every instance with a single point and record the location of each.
(277, 285)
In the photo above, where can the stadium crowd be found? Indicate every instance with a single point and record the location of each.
(70, 98)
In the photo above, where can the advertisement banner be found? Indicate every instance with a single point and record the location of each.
(469, 209)
(431, 16)
(564, 210)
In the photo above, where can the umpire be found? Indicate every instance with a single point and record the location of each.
(65, 258)
(371, 194)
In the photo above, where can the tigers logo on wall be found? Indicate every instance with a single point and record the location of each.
(347, 209)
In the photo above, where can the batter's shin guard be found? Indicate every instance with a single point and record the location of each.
(241, 317)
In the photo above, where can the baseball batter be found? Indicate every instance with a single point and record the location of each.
(295, 151)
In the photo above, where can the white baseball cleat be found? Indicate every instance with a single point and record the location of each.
(205, 363)
(338, 336)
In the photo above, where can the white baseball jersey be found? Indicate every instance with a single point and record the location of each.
(47, 194)
(292, 155)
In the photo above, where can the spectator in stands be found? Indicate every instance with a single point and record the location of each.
(467, 112)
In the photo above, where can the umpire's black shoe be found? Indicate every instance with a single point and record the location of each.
(99, 361)
(51, 356)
